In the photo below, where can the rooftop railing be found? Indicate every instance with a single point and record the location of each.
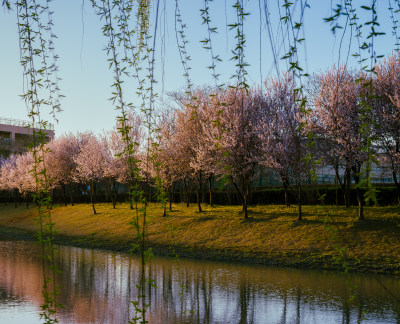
(23, 123)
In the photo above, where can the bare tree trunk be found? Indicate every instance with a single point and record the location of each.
(130, 200)
(51, 199)
(210, 180)
(64, 190)
(199, 205)
(150, 193)
(348, 188)
(91, 196)
(240, 194)
(245, 202)
(71, 195)
(110, 190)
(361, 209)
(285, 189)
(360, 198)
(169, 192)
(95, 191)
(187, 192)
(243, 195)
(336, 196)
(397, 186)
(343, 185)
(115, 191)
(300, 214)
(285, 184)
(199, 191)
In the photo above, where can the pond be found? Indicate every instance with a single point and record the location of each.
(98, 287)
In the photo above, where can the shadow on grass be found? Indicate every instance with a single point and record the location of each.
(261, 219)
(282, 212)
(292, 219)
(256, 212)
(382, 225)
(305, 222)
(204, 219)
(288, 215)
(253, 220)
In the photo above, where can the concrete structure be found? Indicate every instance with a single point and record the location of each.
(16, 136)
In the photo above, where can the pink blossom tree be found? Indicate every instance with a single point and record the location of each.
(208, 152)
(17, 175)
(127, 151)
(336, 118)
(164, 157)
(115, 165)
(325, 147)
(8, 177)
(60, 163)
(90, 164)
(196, 148)
(111, 167)
(236, 114)
(183, 142)
(24, 179)
(387, 114)
(283, 136)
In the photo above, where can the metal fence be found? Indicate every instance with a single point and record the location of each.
(23, 123)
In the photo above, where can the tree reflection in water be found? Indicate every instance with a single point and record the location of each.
(97, 287)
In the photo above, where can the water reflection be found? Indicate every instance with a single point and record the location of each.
(98, 287)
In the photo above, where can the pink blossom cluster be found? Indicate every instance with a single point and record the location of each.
(81, 158)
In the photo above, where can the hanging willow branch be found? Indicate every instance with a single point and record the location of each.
(238, 52)
(131, 55)
(182, 41)
(207, 42)
(395, 21)
(6, 4)
(40, 91)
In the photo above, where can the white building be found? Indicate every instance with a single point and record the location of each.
(16, 136)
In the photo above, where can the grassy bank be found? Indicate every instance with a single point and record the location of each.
(328, 237)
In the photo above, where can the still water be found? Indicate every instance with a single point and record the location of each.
(97, 287)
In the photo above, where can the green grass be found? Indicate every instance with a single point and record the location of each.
(270, 235)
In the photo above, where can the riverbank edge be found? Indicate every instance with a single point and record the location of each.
(291, 260)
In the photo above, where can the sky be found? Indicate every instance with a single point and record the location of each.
(86, 79)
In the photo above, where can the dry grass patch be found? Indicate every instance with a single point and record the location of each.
(270, 231)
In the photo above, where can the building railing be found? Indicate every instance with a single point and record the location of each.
(22, 123)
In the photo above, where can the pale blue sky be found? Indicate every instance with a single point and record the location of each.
(86, 79)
